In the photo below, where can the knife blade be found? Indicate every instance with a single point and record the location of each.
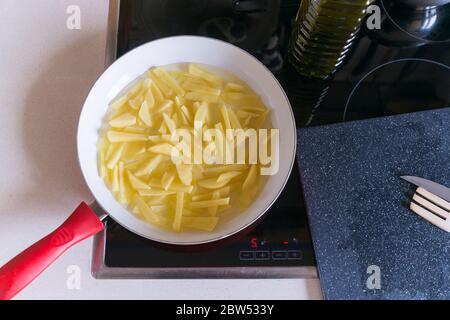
(433, 187)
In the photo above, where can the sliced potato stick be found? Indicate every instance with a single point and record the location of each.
(158, 200)
(212, 183)
(145, 210)
(115, 187)
(225, 116)
(251, 178)
(201, 223)
(165, 106)
(225, 191)
(118, 103)
(136, 102)
(154, 192)
(202, 73)
(234, 120)
(200, 96)
(228, 176)
(136, 183)
(175, 186)
(227, 168)
(169, 123)
(167, 179)
(241, 99)
(123, 121)
(101, 164)
(212, 211)
(171, 82)
(184, 173)
(116, 136)
(198, 87)
(231, 86)
(156, 92)
(254, 108)
(163, 149)
(135, 129)
(122, 185)
(186, 113)
(210, 203)
(149, 166)
(164, 88)
(245, 114)
(115, 155)
(178, 212)
(144, 114)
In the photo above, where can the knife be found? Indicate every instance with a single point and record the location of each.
(433, 187)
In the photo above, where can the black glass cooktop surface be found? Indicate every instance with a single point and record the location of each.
(388, 71)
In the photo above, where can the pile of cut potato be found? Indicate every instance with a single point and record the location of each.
(135, 145)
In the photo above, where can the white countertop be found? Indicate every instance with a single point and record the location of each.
(47, 71)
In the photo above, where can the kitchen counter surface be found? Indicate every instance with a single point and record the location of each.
(49, 70)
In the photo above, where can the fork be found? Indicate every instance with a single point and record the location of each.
(432, 208)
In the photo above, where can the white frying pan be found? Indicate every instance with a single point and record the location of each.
(84, 222)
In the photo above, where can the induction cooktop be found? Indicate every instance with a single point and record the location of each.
(387, 72)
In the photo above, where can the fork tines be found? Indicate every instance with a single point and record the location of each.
(432, 208)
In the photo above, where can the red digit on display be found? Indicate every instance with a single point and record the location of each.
(254, 242)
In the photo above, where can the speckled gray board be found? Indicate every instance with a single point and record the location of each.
(357, 205)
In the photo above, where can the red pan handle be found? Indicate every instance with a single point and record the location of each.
(25, 267)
